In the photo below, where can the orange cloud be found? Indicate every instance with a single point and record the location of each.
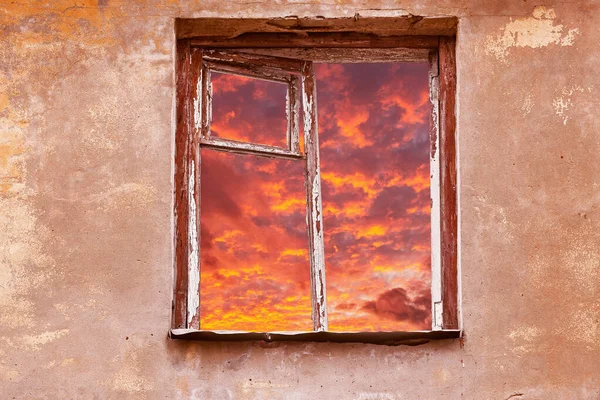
(375, 178)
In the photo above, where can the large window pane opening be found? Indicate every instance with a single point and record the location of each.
(374, 147)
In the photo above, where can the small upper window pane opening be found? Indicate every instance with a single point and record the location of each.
(249, 110)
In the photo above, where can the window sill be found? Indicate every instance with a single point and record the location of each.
(386, 338)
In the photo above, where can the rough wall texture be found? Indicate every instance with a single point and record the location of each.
(86, 132)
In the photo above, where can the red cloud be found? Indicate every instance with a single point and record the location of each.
(375, 179)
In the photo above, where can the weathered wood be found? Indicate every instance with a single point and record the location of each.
(313, 203)
(434, 185)
(377, 22)
(194, 165)
(205, 102)
(294, 100)
(317, 40)
(410, 338)
(347, 55)
(187, 189)
(181, 190)
(250, 71)
(233, 146)
(447, 150)
(253, 60)
(269, 68)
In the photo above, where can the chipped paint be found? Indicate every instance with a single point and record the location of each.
(34, 342)
(314, 203)
(198, 104)
(130, 377)
(527, 105)
(563, 103)
(193, 294)
(524, 339)
(533, 32)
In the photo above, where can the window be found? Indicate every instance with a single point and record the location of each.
(350, 239)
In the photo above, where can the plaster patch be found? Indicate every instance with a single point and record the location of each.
(3, 101)
(385, 12)
(583, 325)
(582, 263)
(564, 101)
(526, 333)
(12, 156)
(35, 342)
(442, 375)
(7, 374)
(23, 264)
(129, 195)
(527, 105)
(67, 362)
(375, 396)
(524, 338)
(130, 379)
(487, 213)
(534, 32)
(253, 385)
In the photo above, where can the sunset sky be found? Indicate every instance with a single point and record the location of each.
(374, 145)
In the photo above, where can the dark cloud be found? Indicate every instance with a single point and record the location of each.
(395, 304)
(392, 202)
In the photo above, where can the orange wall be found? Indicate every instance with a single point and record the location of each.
(86, 250)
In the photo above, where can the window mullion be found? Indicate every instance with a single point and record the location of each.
(434, 166)
(314, 204)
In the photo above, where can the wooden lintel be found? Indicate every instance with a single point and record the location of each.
(359, 22)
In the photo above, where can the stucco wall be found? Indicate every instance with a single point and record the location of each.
(86, 132)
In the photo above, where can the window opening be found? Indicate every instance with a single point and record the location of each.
(371, 199)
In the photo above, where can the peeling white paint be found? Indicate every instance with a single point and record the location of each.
(198, 104)
(563, 103)
(34, 342)
(527, 105)
(533, 32)
(378, 13)
(130, 377)
(375, 396)
(318, 249)
(434, 184)
(523, 339)
(193, 294)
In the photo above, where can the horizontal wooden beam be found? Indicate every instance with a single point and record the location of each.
(318, 40)
(385, 23)
(234, 146)
(385, 338)
(254, 60)
(345, 55)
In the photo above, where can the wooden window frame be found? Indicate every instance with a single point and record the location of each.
(272, 57)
